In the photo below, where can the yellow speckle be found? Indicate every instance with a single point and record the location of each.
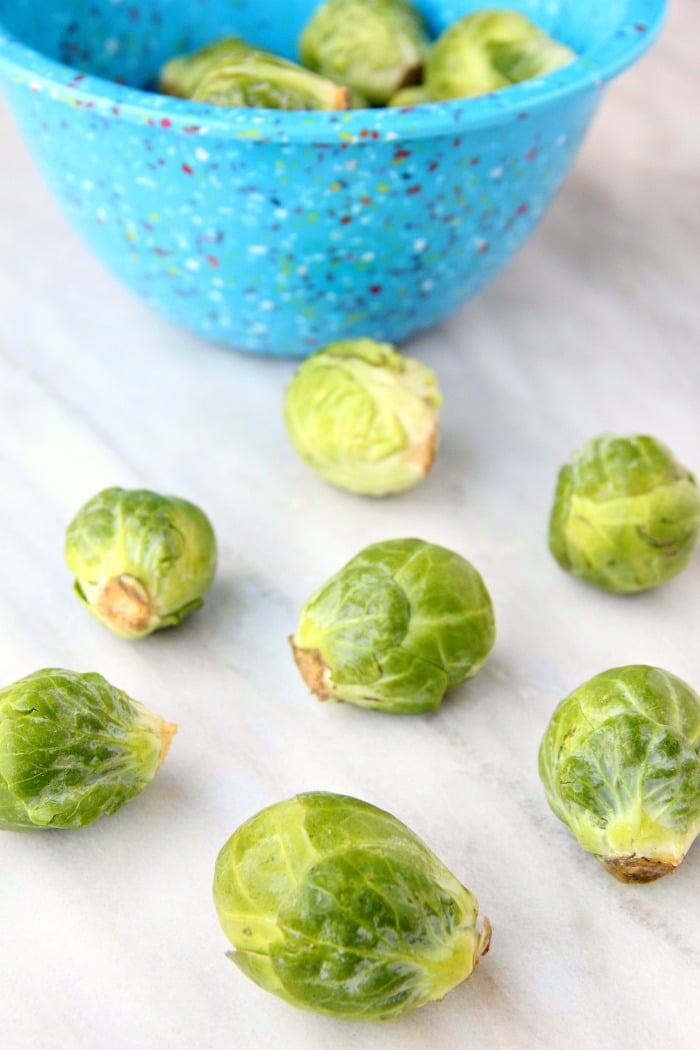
(312, 216)
(346, 135)
(335, 186)
(251, 134)
(154, 217)
(173, 271)
(383, 187)
(135, 257)
(131, 235)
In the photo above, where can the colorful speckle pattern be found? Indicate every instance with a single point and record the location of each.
(278, 232)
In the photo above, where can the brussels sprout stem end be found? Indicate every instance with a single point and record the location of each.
(124, 602)
(638, 869)
(313, 669)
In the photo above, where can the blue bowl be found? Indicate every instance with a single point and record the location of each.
(277, 232)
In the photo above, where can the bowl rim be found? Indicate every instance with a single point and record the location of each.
(24, 66)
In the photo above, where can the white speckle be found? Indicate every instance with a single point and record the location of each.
(302, 270)
(281, 213)
(391, 135)
(192, 264)
(351, 165)
(101, 214)
(335, 235)
(145, 180)
(331, 297)
(197, 220)
(258, 249)
(367, 256)
(218, 282)
(35, 85)
(479, 244)
(267, 304)
(215, 297)
(258, 328)
(496, 173)
(427, 285)
(420, 245)
(87, 185)
(562, 140)
(111, 45)
(201, 154)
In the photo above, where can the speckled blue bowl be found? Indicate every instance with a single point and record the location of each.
(278, 232)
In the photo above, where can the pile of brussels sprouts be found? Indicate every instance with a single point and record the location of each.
(330, 903)
(361, 53)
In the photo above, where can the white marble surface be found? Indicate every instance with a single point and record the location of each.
(108, 936)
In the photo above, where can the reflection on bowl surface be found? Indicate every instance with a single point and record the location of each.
(278, 232)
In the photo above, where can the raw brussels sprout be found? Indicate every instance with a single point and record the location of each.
(364, 416)
(336, 906)
(373, 46)
(620, 762)
(141, 561)
(410, 96)
(626, 514)
(73, 748)
(489, 50)
(230, 72)
(402, 623)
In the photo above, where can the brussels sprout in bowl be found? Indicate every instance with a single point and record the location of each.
(279, 232)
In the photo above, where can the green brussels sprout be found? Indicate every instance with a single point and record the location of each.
(230, 72)
(411, 96)
(73, 748)
(336, 906)
(141, 561)
(373, 46)
(620, 763)
(402, 623)
(489, 50)
(364, 416)
(626, 514)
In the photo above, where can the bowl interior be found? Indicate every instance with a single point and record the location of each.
(127, 41)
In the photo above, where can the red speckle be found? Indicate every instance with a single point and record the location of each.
(412, 189)
(115, 111)
(375, 289)
(159, 251)
(433, 166)
(457, 142)
(531, 154)
(365, 200)
(375, 134)
(523, 116)
(364, 133)
(187, 169)
(640, 27)
(346, 219)
(483, 248)
(401, 154)
(212, 260)
(192, 129)
(165, 123)
(475, 161)
(523, 209)
(134, 14)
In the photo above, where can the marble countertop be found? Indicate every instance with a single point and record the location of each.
(109, 937)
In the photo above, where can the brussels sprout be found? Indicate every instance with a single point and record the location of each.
(620, 763)
(141, 561)
(489, 50)
(73, 748)
(230, 72)
(410, 96)
(364, 416)
(373, 46)
(182, 75)
(402, 623)
(336, 906)
(626, 514)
